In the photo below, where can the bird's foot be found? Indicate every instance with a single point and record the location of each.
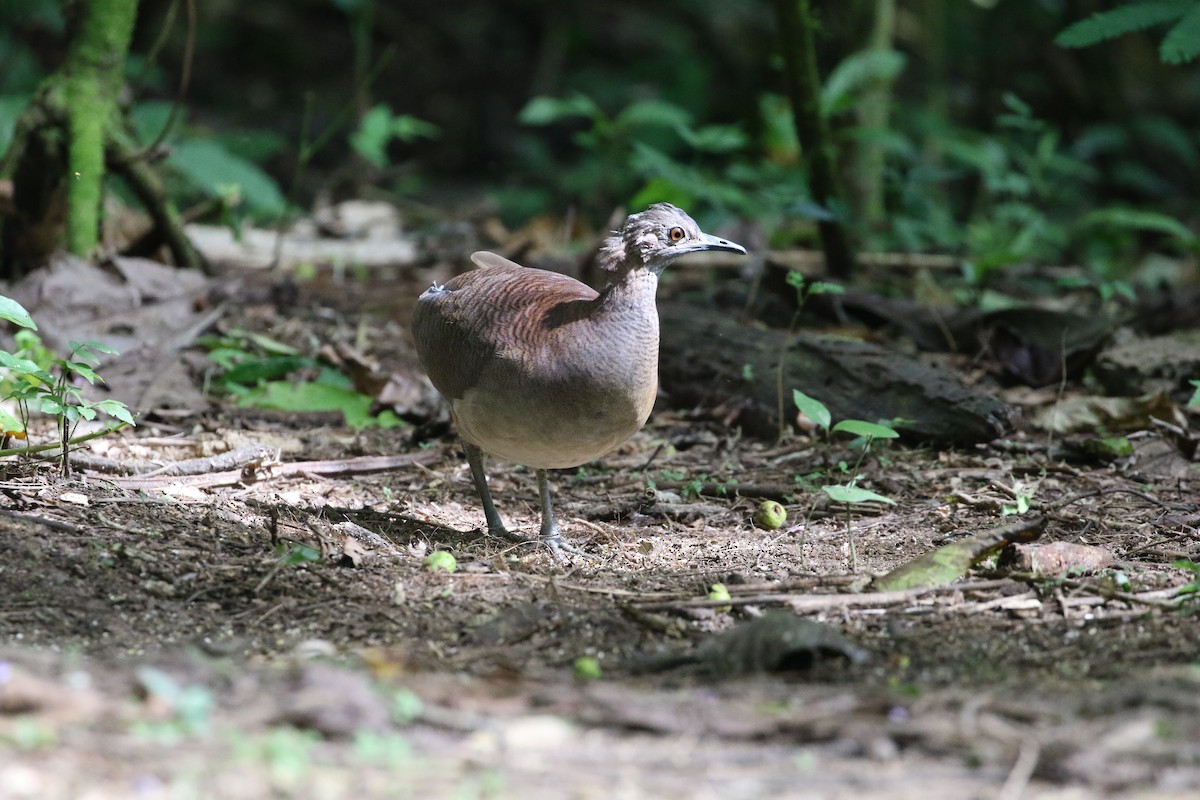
(552, 539)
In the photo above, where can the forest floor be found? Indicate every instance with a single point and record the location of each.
(272, 631)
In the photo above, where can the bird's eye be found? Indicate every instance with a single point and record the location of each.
(677, 234)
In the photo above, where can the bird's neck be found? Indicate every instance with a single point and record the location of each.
(628, 293)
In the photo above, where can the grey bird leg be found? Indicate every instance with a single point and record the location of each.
(494, 523)
(549, 532)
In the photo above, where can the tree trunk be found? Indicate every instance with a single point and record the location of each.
(803, 82)
(90, 82)
(63, 142)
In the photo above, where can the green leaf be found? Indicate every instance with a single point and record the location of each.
(824, 287)
(253, 371)
(15, 313)
(1139, 220)
(714, 138)
(212, 169)
(371, 138)
(408, 128)
(651, 162)
(51, 406)
(309, 397)
(9, 424)
(812, 408)
(1182, 43)
(380, 125)
(298, 554)
(854, 494)
(1195, 401)
(24, 367)
(858, 427)
(90, 347)
(661, 190)
(149, 117)
(654, 113)
(855, 72)
(543, 110)
(1119, 21)
(115, 409)
(84, 371)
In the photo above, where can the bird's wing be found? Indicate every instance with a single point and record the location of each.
(485, 259)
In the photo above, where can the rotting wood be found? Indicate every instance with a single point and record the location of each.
(706, 356)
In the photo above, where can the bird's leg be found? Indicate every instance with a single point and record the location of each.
(549, 531)
(494, 523)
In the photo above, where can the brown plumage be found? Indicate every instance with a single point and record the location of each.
(542, 370)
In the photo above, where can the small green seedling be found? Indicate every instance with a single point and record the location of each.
(1022, 497)
(38, 381)
(1189, 590)
(848, 493)
(804, 290)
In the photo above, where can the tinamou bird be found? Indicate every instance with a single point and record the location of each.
(542, 370)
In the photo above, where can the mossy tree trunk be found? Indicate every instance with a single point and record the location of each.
(796, 27)
(64, 141)
(89, 83)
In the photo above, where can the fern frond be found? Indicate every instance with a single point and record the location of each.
(1183, 41)
(1124, 19)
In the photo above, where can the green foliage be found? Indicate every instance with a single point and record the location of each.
(848, 493)
(1140, 220)
(214, 170)
(1191, 590)
(10, 109)
(1180, 45)
(1194, 402)
(813, 409)
(293, 555)
(15, 313)
(819, 414)
(380, 126)
(223, 166)
(264, 373)
(650, 151)
(843, 87)
(191, 707)
(1022, 500)
(806, 288)
(284, 752)
(37, 380)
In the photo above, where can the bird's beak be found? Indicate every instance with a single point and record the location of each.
(707, 242)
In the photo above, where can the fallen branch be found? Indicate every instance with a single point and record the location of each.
(341, 466)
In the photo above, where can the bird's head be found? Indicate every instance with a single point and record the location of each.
(655, 237)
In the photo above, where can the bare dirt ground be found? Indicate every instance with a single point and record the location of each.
(271, 631)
